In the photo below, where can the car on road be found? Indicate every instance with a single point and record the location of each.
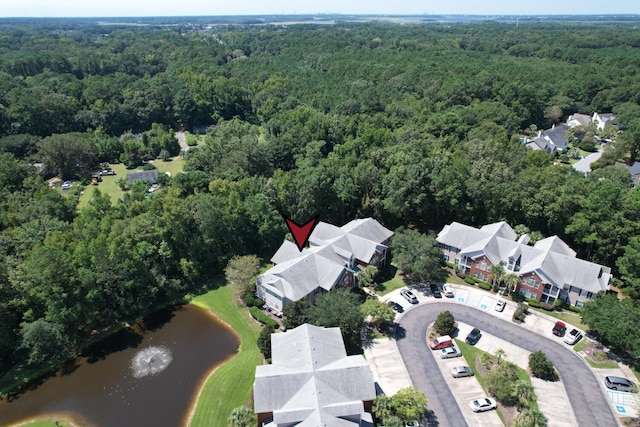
(435, 290)
(619, 384)
(396, 307)
(559, 329)
(573, 337)
(461, 371)
(409, 296)
(500, 304)
(441, 342)
(448, 291)
(449, 353)
(473, 336)
(481, 405)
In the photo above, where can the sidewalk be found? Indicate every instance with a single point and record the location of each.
(391, 375)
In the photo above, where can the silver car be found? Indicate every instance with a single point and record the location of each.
(449, 353)
(484, 404)
(409, 296)
(461, 371)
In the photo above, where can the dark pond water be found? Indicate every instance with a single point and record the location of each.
(102, 389)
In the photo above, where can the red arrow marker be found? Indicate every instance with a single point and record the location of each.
(302, 232)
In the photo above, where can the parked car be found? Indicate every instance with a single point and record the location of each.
(473, 336)
(412, 423)
(66, 185)
(449, 353)
(461, 371)
(481, 405)
(559, 329)
(448, 291)
(620, 384)
(573, 337)
(107, 172)
(500, 304)
(435, 290)
(409, 296)
(441, 342)
(396, 307)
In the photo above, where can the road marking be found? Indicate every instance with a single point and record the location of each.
(463, 296)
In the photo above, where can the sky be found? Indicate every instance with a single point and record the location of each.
(107, 8)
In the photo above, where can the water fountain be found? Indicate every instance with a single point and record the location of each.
(150, 361)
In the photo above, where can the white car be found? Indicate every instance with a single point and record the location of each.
(500, 304)
(448, 291)
(409, 296)
(484, 404)
(66, 186)
(449, 353)
(573, 337)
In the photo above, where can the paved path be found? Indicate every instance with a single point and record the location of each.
(182, 140)
(585, 392)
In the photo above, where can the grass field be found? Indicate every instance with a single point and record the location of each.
(230, 385)
(110, 187)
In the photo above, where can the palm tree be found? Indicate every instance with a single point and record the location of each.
(530, 418)
(511, 280)
(242, 417)
(382, 407)
(500, 354)
(497, 274)
(525, 394)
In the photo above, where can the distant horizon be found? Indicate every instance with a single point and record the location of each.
(204, 8)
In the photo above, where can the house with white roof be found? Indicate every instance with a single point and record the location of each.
(334, 256)
(312, 382)
(602, 119)
(548, 270)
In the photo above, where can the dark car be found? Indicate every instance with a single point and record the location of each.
(473, 336)
(396, 307)
(435, 290)
(559, 329)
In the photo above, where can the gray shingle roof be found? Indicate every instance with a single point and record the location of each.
(551, 258)
(312, 380)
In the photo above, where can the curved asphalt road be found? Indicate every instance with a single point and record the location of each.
(585, 393)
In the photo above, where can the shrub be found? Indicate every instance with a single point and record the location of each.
(450, 264)
(445, 324)
(547, 307)
(257, 314)
(517, 297)
(264, 342)
(533, 302)
(541, 367)
(574, 309)
(484, 285)
(521, 312)
(148, 167)
(501, 383)
(469, 280)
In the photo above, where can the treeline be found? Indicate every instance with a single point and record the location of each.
(414, 125)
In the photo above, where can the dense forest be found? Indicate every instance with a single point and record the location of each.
(415, 125)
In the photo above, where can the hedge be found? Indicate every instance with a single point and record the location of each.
(574, 308)
(449, 264)
(484, 285)
(533, 302)
(469, 280)
(257, 314)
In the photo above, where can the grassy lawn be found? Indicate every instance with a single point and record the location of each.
(110, 187)
(393, 283)
(46, 423)
(601, 365)
(456, 280)
(230, 385)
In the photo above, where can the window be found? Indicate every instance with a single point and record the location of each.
(536, 285)
(579, 303)
(589, 295)
(584, 293)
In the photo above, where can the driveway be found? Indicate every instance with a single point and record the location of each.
(589, 403)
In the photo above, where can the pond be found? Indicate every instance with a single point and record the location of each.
(148, 375)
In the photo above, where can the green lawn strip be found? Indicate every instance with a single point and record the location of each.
(601, 365)
(456, 280)
(565, 316)
(579, 346)
(230, 385)
(44, 423)
(396, 282)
